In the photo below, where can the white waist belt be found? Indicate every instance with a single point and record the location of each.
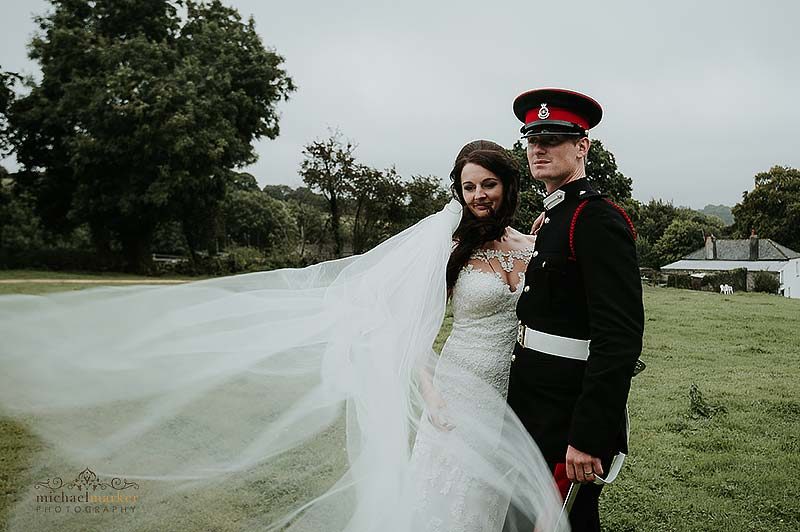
(559, 346)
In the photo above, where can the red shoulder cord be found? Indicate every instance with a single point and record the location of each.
(574, 222)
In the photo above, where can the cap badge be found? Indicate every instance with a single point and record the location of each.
(544, 112)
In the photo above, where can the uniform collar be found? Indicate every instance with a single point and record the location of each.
(578, 188)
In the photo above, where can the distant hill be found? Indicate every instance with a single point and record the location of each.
(721, 211)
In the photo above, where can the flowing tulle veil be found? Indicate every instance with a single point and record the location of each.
(274, 400)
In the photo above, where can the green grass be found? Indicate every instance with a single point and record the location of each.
(28, 281)
(47, 274)
(732, 471)
(736, 469)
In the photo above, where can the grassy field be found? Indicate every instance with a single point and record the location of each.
(723, 458)
(43, 282)
(730, 466)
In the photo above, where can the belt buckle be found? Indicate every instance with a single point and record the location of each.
(521, 334)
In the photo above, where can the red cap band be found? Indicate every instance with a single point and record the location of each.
(556, 113)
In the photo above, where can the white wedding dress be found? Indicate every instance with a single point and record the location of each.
(478, 351)
(292, 390)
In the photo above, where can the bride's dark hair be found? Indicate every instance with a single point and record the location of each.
(473, 232)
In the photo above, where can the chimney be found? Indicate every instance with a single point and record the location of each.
(711, 247)
(753, 245)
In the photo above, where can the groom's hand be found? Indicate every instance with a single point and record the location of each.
(582, 467)
(537, 223)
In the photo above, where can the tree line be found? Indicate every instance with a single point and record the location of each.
(130, 141)
(347, 207)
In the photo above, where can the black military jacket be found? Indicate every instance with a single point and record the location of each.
(594, 295)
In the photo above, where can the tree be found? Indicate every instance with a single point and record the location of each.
(680, 238)
(280, 192)
(301, 194)
(772, 208)
(652, 219)
(243, 181)
(686, 233)
(364, 203)
(531, 191)
(7, 82)
(6, 90)
(646, 253)
(425, 195)
(254, 219)
(20, 229)
(329, 167)
(711, 224)
(378, 205)
(141, 115)
(601, 169)
(311, 225)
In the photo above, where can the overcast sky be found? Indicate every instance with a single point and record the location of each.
(698, 96)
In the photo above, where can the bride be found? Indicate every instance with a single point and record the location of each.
(302, 399)
(484, 274)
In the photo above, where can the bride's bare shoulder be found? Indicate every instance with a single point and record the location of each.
(517, 240)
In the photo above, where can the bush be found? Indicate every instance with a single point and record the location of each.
(646, 253)
(766, 282)
(736, 278)
(679, 280)
(234, 260)
(245, 259)
(58, 259)
(206, 266)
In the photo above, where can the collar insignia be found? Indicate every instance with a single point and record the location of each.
(544, 112)
(554, 199)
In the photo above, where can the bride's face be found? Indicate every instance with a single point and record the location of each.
(482, 190)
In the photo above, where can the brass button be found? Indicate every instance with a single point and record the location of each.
(526, 289)
(547, 220)
(513, 358)
(535, 253)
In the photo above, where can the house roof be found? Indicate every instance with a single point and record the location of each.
(739, 250)
(725, 265)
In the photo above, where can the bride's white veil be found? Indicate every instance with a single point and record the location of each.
(273, 400)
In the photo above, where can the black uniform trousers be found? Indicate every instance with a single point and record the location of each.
(585, 514)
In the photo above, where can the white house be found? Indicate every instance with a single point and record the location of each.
(753, 254)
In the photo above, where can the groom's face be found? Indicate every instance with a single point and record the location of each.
(555, 157)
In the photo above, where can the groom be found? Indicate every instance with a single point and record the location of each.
(581, 315)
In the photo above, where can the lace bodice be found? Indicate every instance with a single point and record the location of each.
(504, 257)
(484, 317)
